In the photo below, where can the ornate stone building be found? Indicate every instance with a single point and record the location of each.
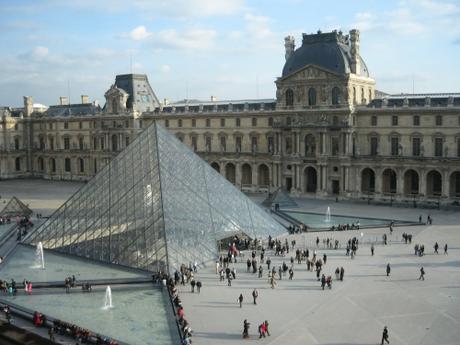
(328, 132)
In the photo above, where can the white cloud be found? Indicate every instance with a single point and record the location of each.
(437, 8)
(258, 26)
(165, 68)
(235, 35)
(190, 40)
(139, 33)
(40, 52)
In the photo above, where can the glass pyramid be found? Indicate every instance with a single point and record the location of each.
(16, 207)
(155, 206)
(280, 197)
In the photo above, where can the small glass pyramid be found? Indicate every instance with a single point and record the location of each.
(15, 207)
(155, 206)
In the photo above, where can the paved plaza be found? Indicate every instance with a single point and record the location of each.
(299, 312)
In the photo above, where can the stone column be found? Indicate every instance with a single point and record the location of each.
(445, 183)
(255, 179)
(422, 182)
(399, 182)
(238, 175)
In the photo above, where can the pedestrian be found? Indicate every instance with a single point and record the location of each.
(436, 246)
(324, 258)
(388, 269)
(7, 311)
(372, 249)
(261, 271)
(268, 263)
(385, 335)
(229, 280)
(323, 281)
(342, 272)
(266, 327)
(291, 273)
(445, 249)
(246, 329)
(240, 300)
(198, 286)
(262, 330)
(255, 294)
(51, 333)
(422, 274)
(337, 273)
(192, 284)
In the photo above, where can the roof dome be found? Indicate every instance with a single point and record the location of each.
(327, 50)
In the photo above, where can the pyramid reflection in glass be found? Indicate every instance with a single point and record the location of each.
(154, 206)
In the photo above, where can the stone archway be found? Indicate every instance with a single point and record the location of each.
(367, 181)
(389, 181)
(411, 182)
(263, 175)
(246, 174)
(455, 184)
(230, 173)
(433, 184)
(215, 166)
(311, 180)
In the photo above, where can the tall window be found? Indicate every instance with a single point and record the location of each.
(222, 122)
(66, 143)
(53, 165)
(394, 120)
(335, 95)
(416, 147)
(270, 121)
(16, 143)
(193, 123)
(66, 125)
(394, 146)
(208, 122)
(254, 144)
(51, 143)
(102, 141)
(270, 145)
(18, 164)
(237, 122)
(166, 123)
(438, 120)
(126, 141)
(289, 97)
(374, 120)
(254, 121)
(80, 143)
(81, 163)
(374, 146)
(194, 146)
(335, 146)
(238, 144)
(288, 142)
(67, 165)
(416, 120)
(208, 144)
(438, 143)
(42, 143)
(312, 96)
(354, 95)
(223, 144)
(458, 147)
(179, 123)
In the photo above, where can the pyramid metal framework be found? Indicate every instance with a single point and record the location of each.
(155, 206)
(280, 197)
(16, 207)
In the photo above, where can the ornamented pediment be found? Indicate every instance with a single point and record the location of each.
(311, 72)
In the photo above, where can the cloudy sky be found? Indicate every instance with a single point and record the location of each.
(232, 49)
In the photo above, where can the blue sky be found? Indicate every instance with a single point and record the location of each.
(232, 49)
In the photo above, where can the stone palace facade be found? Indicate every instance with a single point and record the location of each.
(329, 132)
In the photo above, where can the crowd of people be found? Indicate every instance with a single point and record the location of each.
(11, 288)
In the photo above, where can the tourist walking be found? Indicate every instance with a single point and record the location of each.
(255, 294)
(422, 274)
(388, 269)
(266, 327)
(198, 286)
(246, 329)
(385, 335)
(445, 249)
(7, 311)
(372, 249)
(192, 284)
(240, 300)
(436, 246)
(342, 272)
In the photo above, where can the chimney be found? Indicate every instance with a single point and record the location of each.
(28, 106)
(354, 50)
(289, 45)
(213, 99)
(63, 100)
(84, 99)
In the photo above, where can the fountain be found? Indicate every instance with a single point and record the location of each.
(39, 258)
(327, 218)
(108, 299)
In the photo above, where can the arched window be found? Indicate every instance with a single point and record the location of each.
(289, 97)
(40, 164)
(114, 142)
(52, 165)
(335, 95)
(18, 164)
(312, 96)
(114, 106)
(67, 167)
(81, 163)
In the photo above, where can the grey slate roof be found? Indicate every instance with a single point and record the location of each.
(72, 110)
(326, 50)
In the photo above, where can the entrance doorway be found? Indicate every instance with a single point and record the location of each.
(288, 183)
(335, 187)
